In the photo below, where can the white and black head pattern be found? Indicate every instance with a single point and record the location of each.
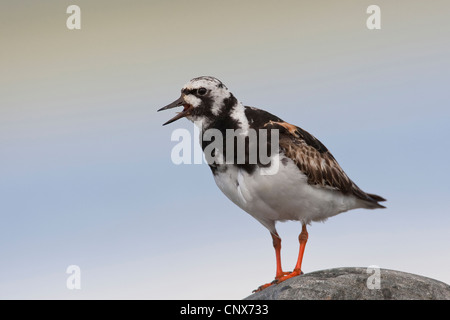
(204, 99)
(208, 96)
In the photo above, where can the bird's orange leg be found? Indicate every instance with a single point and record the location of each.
(277, 245)
(303, 238)
(279, 273)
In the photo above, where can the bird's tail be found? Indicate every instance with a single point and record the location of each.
(374, 199)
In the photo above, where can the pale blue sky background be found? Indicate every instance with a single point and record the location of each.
(86, 175)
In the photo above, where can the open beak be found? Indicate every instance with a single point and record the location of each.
(177, 103)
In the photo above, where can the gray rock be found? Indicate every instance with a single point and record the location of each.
(353, 284)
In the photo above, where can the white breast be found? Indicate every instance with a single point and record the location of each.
(283, 196)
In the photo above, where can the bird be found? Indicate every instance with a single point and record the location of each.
(308, 184)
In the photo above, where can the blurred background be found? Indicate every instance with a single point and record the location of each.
(86, 176)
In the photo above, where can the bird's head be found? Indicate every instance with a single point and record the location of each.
(202, 98)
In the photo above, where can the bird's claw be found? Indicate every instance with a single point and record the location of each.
(278, 279)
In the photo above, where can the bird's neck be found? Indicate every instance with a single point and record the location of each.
(231, 116)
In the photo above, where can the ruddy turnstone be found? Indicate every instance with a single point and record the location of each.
(307, 185)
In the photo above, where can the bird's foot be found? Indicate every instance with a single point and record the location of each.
(279, 278)
(292, 274)
(281, 275)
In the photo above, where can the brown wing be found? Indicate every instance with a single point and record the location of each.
(316, 162)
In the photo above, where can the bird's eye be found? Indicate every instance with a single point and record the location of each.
(202, 91)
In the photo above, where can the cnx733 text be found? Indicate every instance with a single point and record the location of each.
(246, 309)
(229, 309)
